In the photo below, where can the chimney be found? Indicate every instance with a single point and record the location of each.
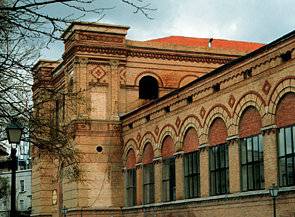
(210, 42)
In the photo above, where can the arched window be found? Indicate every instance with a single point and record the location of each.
(168, 171)
(148, 88)
(218, 158)
(251, 150)
(130, 179)
(148, 174)
(191, 164)
(285, 120)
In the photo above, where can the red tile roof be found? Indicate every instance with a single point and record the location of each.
(203, 42)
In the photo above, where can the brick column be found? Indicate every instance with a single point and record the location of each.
(270, 156)
(139, 170)
(234, 164)
(158, 179)
(204, 170)
(179, 175)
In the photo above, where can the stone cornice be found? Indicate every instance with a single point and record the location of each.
(152, 54)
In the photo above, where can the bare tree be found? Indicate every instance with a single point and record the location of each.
(26, 28)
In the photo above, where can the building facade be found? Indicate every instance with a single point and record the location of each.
(171, 127)
(23, 193)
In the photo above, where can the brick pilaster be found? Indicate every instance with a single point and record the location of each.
(179, 171)
(204, 170)
(158, 179)
(139, 170)
(270, 156)
(234, 164)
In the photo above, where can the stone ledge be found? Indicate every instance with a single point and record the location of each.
(239, 195)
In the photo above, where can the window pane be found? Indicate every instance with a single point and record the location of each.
(244, 178)
(255, 148)
(250, 177)
(290, 171)
(243, 151)
(283, 175)
(281, 142)
(288, 140)
(249, 149)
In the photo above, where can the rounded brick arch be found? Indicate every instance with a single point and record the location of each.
(186, 79)
(148, 73)
(285, 115)
(217, 132)
(189, 122)
(284, 86)
(130, 144)
(167, 130)
(130, 159)
(216, 112)
(250, 99)
(148, 153)
(148, 137)
(250, 122)
(167, 147)
(190, 140)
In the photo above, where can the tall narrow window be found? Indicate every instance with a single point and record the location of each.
(22, 185)
(251, 150)
(191, 164)
(285, 120)
(130, 179)
(252, 171)
(148, 174)
(168, 180)
(218, 158)
(219, 177)
(168, 170)
(148, 88)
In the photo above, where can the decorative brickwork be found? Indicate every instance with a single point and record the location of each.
(167, 147)
(131, 159)
(148, 154)
(217, 132)
(250, 123)
(285, 114)
(190, 141)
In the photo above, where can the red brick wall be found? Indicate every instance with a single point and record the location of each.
(167, 147)
(190, 141)
(131, 160)
(250, 122)
(285, 114)
(148, 154)
(217, 132)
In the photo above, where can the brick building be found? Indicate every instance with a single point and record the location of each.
(174, 126)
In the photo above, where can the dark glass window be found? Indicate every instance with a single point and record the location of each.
(148, 183)
(252, 170)
(131, 187)
(191, 174)
(168, 180)
(148, 88)
(219, 175)
(286, 140)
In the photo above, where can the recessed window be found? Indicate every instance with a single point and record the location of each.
(148, 183)
(167, 109)
(189, 99)
(247, 73)
(286, 139)
(286, 56)
(216, 87)
(191, 174)
(148, 88)
(131, 187)
(219, 174)
(22, 185)
(168, 179)
(252, 171)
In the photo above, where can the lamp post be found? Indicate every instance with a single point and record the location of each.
(64, 211)
(14, 132)
(274, 191)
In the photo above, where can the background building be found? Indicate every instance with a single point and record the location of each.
(170, 127)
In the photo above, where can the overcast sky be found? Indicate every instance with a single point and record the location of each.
(245, 20)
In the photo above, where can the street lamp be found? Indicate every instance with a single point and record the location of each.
(14, 132)
(274, 191)
(64, 211)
